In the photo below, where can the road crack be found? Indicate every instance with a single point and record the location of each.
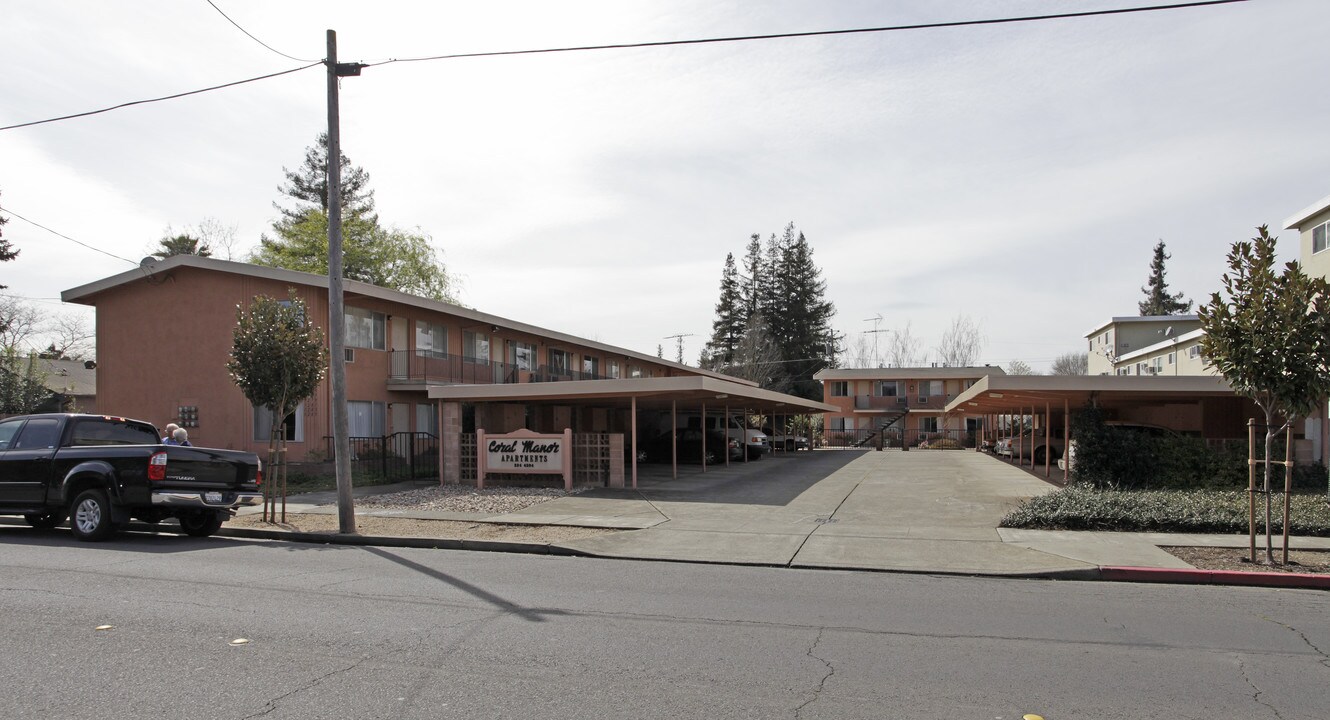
(271, 705)
(1325, 659)
(1256, 691)
(822, 683)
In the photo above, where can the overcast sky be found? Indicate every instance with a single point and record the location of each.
(1019, 173)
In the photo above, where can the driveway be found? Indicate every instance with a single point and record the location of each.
(935, 511)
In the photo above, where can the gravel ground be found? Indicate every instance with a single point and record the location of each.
(1207, 558)
(446, 498)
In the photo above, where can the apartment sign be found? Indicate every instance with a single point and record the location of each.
(524, 451)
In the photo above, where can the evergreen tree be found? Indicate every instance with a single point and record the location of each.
(1157, 299)
(308, 186)
(728, 327)
(756, 272)
(806, 339)
(388, 257)
(7, 252)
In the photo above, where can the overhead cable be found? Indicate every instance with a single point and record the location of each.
(159, 99)
(53, 232)
(816, 33)
(251, 36)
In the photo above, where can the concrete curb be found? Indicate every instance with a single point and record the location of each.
(393, 541)
(1215, 577)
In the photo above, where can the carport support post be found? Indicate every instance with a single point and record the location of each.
(704, 437)
(1066, 440)
(1048, 444)
(632, 421)
(725, 423)
(744, 434)
(674, 438)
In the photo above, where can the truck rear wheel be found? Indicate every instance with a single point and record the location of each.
(90, 516)
(202, 524)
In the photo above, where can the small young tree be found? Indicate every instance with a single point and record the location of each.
(1157, 299)
(278, 359)
(1270, 339)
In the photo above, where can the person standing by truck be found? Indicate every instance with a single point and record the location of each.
(180, 436)
(170, 434)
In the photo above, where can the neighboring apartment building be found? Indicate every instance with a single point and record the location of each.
(910, 400)
(1148, 345)
(1313, 226)
(164, 335)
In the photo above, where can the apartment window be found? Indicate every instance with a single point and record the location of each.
(431, 339)
(928, 424)
(560, 361)
(840, 388)
(294, 424)
(591, 365)
(365, 329)
(929, 388)
(612, 369)
(837, 424)
(1194, 351)
(1320, 236)
(890, 388)
(427, 420)
(475, 347)
(522, 355)
(1172, 358)
(367, 419)
(1158, 365)
(1141, 368)
(634, 371)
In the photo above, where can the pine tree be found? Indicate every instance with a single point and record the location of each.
(756, 273)
(728, 327)
(1157, 300)
(807, 341)
(308, 186)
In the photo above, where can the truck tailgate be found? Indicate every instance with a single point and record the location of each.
(207, 468)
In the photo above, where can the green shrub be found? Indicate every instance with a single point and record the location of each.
(1083, 507)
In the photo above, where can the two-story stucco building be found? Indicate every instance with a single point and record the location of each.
(905, 402)
(1146, 345)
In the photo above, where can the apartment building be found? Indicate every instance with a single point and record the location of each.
(904, 400)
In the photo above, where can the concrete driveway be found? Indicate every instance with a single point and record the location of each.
(933, 511)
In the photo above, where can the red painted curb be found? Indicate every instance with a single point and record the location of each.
(1216, 577)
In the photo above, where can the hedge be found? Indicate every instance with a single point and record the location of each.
(1082, 507)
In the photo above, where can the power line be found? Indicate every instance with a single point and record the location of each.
(815, 33)
(78, 242)
(251, 36)
(159, 99)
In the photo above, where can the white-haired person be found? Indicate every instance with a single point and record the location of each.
(170, 433)
(180, 436)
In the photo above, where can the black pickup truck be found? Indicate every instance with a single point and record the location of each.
(99, 472)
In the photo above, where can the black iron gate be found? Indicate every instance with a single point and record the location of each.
(400, 456)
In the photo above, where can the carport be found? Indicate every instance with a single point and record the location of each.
(694, 393)
(1203, 405)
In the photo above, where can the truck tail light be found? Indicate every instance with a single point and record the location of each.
(157, 467)
(258, 476)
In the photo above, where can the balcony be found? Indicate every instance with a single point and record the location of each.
(879, 402)
(446, 369)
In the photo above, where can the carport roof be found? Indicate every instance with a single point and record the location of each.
(1008, 393)
(649, 392)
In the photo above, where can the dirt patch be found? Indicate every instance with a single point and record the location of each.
(411, 527)
(1209, 558)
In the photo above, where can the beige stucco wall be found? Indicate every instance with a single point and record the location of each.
(1314, 264)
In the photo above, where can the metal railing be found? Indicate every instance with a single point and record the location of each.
(449, 369)
(400, 456)
(892, 437)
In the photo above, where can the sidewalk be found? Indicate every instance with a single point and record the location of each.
(926, 512)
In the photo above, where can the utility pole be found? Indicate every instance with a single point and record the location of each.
(346, 512)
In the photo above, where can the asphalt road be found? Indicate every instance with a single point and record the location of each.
(351, 632)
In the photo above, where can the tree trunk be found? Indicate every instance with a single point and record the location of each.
(1269, 441)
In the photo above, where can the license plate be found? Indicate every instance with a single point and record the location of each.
(212, 497)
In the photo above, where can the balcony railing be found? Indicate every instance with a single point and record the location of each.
(448, 369)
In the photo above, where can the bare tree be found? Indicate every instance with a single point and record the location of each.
(72, 337)
(18, 323)
(903, 349)
(860, 353)
(218, 236)
(1020, 367)
(1072, 363)
(961, 343)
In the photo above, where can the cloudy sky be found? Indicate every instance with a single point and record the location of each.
(1019, 173)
